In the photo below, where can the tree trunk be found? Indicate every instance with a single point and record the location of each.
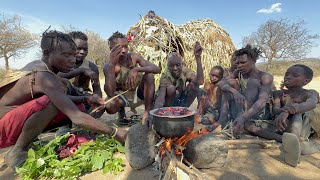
(269, 65)
(6, 59)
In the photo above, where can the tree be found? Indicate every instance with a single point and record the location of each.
(282, 40)
(14, 38)
(98, 48)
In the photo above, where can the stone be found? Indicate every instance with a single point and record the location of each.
(140, 147)
(208, 151)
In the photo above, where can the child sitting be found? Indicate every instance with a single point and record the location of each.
(297, 114)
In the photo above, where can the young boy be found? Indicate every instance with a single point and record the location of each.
(296, 113)
(210, 99)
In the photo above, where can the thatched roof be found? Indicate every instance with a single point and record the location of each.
(155, 37)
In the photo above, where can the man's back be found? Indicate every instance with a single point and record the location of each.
(22, 90)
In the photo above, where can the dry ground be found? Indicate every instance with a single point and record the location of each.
(243, 162)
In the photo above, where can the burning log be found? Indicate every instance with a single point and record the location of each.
(178, 170)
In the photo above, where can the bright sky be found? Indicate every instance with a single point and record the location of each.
(238, 18)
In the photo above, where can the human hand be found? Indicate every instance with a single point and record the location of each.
(291, 109)
(239, 99)
(91, 74)
(95, 100)
(197, 49)
(131, 79)
(115, 54)
(238, 124)
(281, 121)
(121, 135)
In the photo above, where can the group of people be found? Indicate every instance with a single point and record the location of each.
(58, 93)
(246, 97)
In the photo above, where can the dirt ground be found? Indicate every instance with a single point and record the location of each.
(243, 161)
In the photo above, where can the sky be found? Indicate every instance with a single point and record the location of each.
(238, 17)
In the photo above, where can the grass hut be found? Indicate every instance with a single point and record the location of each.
(155, 37)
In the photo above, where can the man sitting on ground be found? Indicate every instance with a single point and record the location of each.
(174, 90)
(297, 113)
(250, 89)
(26, 112)
(83, 72)
(130, 75)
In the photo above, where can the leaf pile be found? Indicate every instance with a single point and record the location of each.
(43, 161)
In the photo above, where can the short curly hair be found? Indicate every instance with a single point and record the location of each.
(114, 36)
(306, 70)
(253, 52)
(78, 35)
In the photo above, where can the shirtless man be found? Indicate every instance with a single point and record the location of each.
(174, 90)
(84, 71)
(129, 73)
(297, 113)
(252, 90)
(36, 99)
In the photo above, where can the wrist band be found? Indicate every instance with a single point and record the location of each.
(115, 133)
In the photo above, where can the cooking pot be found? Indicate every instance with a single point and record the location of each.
(172, 126)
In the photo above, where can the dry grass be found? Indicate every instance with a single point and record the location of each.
(314, 84)
(155, 37)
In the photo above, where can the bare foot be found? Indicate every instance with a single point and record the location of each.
(290, 149)
(15, 158)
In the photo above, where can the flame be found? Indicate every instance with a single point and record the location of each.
(182, 141)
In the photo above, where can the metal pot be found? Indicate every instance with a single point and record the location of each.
(172, 126)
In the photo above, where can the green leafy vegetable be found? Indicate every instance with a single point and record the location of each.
(43, 161)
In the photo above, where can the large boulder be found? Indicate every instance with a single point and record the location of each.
(140, 146)
(207, 151)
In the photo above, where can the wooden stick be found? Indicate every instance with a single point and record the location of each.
(262, 143)
(97, 108)
(194, 168)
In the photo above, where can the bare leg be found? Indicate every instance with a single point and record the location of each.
(224, 108)
(295, 125)
(192, 93)
(170, 95)
(114, 106)
(252, 128)
(147, 87)
(33, 126)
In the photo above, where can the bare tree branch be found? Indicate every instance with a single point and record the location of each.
(282, 40)
(14, 38)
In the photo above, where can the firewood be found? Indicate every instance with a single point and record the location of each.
(262, 143)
